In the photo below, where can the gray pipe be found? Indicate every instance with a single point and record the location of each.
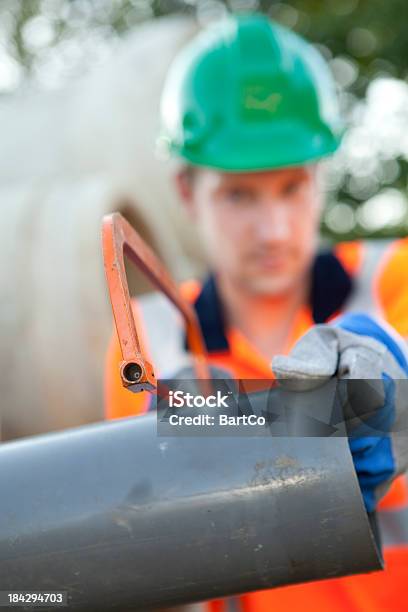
(123, 519)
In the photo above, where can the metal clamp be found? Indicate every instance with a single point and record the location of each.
(119, 238)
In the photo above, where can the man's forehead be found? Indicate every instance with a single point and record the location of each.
(263, 176)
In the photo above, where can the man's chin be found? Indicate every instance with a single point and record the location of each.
(270, 285)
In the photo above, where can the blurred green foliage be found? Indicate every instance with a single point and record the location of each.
(371, 32)
(363, 40)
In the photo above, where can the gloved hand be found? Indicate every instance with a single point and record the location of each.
(356, 346)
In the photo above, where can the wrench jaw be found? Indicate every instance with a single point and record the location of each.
(138, 375)
(120, 239)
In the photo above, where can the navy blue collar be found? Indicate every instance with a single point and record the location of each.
(331, 286)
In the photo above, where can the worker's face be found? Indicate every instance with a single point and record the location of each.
(259, 229)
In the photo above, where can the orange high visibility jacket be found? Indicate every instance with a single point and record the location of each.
(360, 276)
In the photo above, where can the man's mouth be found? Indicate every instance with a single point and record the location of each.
(271, 261)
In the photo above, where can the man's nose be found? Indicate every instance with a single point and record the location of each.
(273, 222)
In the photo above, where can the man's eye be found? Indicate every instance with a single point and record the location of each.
(292, 188)
(239, 195)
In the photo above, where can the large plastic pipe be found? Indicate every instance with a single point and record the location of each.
(123, 519)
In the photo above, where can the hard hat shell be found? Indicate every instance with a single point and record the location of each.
(248, 94)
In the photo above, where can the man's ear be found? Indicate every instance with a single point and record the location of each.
(184, 185)
(320, 169)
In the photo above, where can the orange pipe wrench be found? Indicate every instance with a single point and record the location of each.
(119, 238)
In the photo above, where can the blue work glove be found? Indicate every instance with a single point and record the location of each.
(357, 347)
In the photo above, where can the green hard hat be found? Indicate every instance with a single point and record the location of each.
(248, 94)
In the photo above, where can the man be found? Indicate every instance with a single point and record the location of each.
(251, 109)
